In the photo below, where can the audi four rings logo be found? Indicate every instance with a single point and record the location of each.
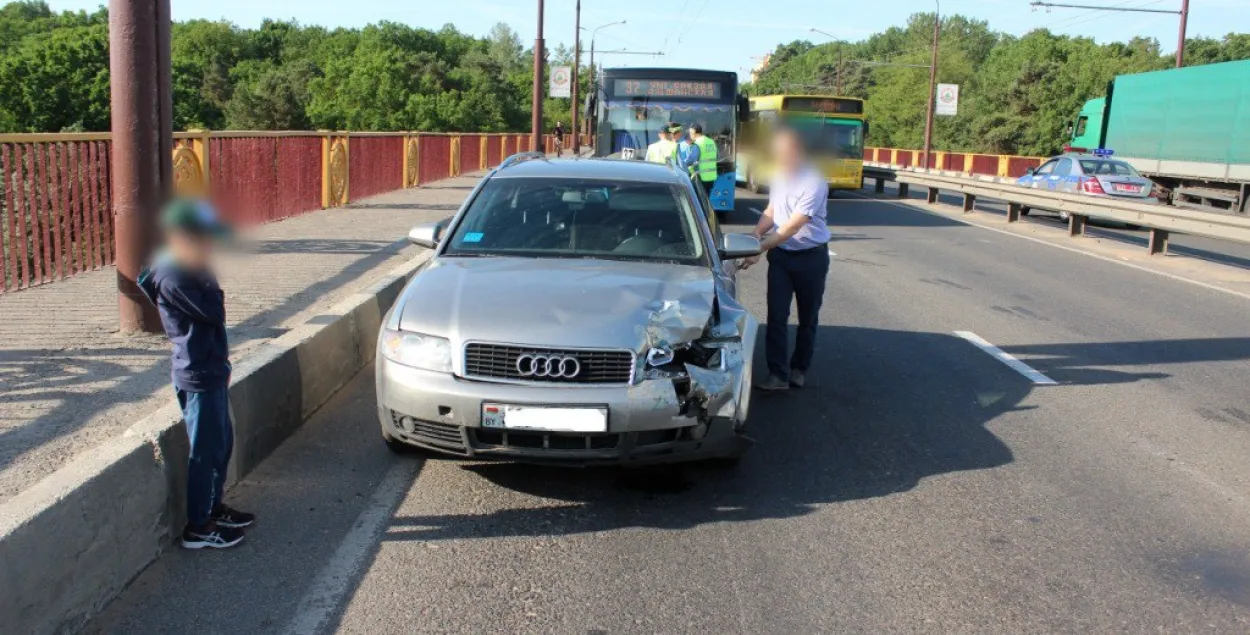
(535, 365)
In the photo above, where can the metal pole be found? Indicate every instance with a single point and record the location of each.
(928, 121)
(138, 64)
(577, 61)
(1180, 41)
(839, 81)
(536, 119)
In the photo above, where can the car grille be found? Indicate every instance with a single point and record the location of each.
(432, 433)
(499, 361)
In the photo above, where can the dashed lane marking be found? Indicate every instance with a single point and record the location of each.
(1006, 358)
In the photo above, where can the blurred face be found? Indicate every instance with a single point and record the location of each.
(192, 251)
(787, 150)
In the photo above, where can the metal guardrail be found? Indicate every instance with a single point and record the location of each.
(1162, 220)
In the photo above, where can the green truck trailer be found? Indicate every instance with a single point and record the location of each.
(1188, 129)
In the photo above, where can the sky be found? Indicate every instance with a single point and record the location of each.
(718, 34)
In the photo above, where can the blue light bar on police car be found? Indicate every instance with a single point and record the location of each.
(1103, 152)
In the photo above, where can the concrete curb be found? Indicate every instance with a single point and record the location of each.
(73, 541)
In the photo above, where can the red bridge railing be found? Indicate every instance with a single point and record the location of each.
(988, 164)
(56, 215)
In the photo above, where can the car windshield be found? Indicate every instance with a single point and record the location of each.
(838, 138)
(1096, 167)
(580, 218)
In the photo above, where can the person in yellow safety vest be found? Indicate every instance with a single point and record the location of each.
(662, 151)
(705, 168)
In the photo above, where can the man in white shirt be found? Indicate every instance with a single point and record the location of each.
(794, 234)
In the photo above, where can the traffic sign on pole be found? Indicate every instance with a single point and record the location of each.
(561, 82)
(948, 99)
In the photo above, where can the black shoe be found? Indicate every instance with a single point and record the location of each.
(796, 378)
(773, 384)
(232, 518)
(212, 536)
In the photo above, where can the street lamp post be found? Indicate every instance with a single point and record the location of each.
(928, 120)
(536, 112)
(594, 32)
(1183, 13)
(577, 61)
(838, 81)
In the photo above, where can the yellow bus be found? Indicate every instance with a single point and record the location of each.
(833, 128)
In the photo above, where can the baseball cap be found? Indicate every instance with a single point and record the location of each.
(194, 216)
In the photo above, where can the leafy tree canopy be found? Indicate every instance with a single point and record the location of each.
(54, 76)
(1017, 94)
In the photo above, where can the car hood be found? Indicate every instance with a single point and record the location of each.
(580, 303)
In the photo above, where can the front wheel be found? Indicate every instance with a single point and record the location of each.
(1064, 216)
(1024, 211)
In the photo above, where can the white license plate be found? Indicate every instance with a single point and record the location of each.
(545, 418)
(1126, 188)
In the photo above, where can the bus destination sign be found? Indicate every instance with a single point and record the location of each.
(825, 105)
(665, 88)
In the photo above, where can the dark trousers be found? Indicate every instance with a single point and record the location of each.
(207, 417)
(707, 186)
(798, 275)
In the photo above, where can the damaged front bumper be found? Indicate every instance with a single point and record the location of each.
(646, 422)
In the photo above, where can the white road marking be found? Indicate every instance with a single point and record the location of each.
(333, 582)
(1075, 250)
(756, 210)
(832, 254)
(1006, 358)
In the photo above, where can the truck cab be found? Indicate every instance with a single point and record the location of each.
(1086, 131)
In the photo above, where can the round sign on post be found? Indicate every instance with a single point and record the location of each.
(561, 82)
(947, 99)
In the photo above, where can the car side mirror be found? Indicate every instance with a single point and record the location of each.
(739, 246)
(426, 234)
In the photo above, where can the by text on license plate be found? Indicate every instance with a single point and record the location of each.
(545, 418)
(1126, 188)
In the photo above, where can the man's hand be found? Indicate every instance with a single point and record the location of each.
(748, 262)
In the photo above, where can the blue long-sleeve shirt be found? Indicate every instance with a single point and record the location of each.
(193, 312)
(688, 154)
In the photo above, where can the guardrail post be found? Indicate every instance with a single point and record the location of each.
(902, 190)
(970, 201)
(880, 186)
(1158, 241)
(1076, 224)
(334, 169)
(1013, 212)
(412, 160)
(932, 196)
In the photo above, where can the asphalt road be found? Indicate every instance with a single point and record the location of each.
(917, 485)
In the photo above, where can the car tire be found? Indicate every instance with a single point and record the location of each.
(1064, 216)
(1024, 210)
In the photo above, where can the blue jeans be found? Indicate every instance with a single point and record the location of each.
(798, 275)
(207, 417)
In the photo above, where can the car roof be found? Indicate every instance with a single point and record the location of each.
(588, 168)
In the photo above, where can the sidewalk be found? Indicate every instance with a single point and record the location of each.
(68, 381)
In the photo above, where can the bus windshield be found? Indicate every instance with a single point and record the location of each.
(636, 122)
(830, 137)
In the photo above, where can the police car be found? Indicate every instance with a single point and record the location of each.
(1094, 173)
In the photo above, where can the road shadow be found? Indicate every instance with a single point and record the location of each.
(871, 424)
(429, 207)
(1094, 363)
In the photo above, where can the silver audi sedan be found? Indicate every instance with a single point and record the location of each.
(574, 311)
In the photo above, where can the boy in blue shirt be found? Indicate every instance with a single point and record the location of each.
(192, 306)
